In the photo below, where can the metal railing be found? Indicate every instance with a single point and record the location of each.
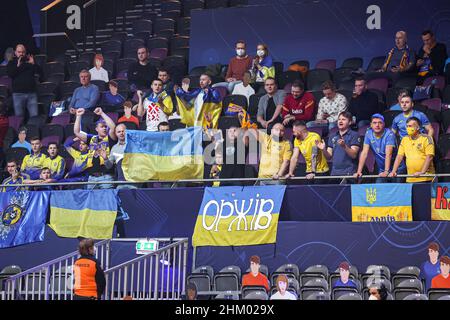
(174, 183)
(160, 275)
(52, 280)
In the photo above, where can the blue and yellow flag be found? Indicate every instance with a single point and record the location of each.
(238, 216)
(381, 202)
(83, 213)
(23, 215)
(440, 203)
(172, 155)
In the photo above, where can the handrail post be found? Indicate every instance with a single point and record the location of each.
(47, 283)
(108, 254)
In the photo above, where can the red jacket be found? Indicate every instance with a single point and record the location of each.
(302, 108)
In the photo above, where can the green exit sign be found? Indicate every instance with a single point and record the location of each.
(145, 246)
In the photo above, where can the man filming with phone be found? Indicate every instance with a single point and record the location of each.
(21, 70)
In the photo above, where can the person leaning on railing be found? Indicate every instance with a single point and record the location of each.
(90, 280)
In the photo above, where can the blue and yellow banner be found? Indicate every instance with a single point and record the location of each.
(23, 215)
(381, 202)
(238, 216)
(172, 155)
(83, 213)
(440, 203)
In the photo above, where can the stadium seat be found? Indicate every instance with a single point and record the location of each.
(228, 279)
(407, 82)
(376, 64)
(317, 282)
(389, 116)
(15, 122)
(315, 78)
(10, 138)
(122, 65)
(350, 296)
(314, 272)
(415, 296)
(100, 84)
(120, 36)
(437, 81)
(53, 130)
(67, 88)
(447, 297)
(164, 24)
(290, 270)
(353, 63)
(380, 84)
(170, 5)
(197, 71)
(250, 289)
(16, 153)
(446, 95)
(183, 26)
(318, 295)
(46, 88)
(201, 281)
(227, 296)
(308, 293)
(130, 47)
(378, 279)
(343, 77)
(51, 68)
(87, 56)
(143, 27)
(189, 5)
(237, 99)
(256, 295)
(437, 294)
(288, 77)
(111, 46)
(341, 291)
(328, 64)
(432, 104)
(158, 53)
(63, 119)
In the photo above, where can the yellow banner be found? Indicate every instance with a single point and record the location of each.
(381, 214)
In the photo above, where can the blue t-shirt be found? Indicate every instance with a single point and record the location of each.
(429, 271)
(25, 145)
(109, 100)
(396, 107)
(378, 147)
(399, 123)
(349, 283)
(343, 165)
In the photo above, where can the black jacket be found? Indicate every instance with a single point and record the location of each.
(23, 80)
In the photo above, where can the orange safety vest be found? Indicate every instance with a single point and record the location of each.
(85, 270)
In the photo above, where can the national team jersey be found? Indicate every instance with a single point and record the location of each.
(56, 166)
(399, 123)
(310, 152)
(95, 144)
(273, 153)
(429, 271)
(154, 112)
(416, 152)
(378, 147)
(32, 165)
(20, 179)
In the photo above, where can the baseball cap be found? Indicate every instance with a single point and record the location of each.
(378, 116)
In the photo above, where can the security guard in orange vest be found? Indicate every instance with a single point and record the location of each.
(89, 277)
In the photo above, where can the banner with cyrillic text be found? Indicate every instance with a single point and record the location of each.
(440, 204)
(238, 216)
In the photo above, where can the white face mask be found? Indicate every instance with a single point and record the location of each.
(240, 52)
(260, 53)
(372, 298)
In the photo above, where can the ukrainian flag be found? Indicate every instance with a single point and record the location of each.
(172, 155)
(83, 213)
(387, 202)
(187, 113)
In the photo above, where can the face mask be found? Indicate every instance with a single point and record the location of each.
(260, 53)
(411, 131)
(240, 52)
(373, 298)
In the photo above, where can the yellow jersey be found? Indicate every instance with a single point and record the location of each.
(416, 152)
(273, 153)
(311, 153)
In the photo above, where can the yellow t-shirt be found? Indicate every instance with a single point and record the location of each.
(273, 153)
(309, 149)
(416, 152)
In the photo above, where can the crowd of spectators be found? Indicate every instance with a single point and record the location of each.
(293, 126)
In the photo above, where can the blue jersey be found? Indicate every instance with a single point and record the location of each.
(10, 181)
(378, 147)
(429, 271)
(399, 123)
(349, 283)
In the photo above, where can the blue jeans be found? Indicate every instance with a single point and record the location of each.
(106, 177)
(25, 100)
(392, 180)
